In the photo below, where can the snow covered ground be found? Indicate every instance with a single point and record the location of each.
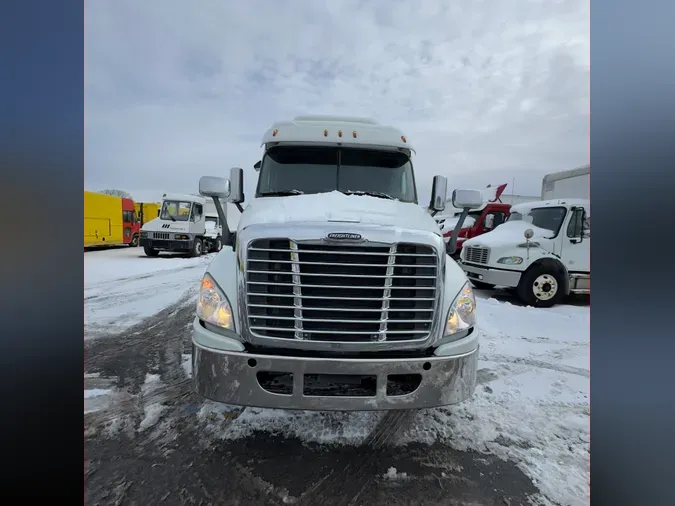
(531, 405)
(122, 286)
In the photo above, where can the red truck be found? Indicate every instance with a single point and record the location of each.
(131, 225)
(479, 221)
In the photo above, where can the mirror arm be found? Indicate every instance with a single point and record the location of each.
(241, 209)
(228, 237)
(452, 243)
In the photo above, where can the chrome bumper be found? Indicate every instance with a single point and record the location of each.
(231, 377)
(495, 277)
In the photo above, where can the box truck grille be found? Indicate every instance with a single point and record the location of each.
(340, 293)
(476, 255)
(161, 235)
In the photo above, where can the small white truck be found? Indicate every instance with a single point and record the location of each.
(543, 251)
(336, 291)
(186, 224)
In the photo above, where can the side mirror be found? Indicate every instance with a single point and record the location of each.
(257, 165)
(439, 193)
(489, 222)
(237, 185)
(211, 186)
(463, 199)
(528, 234)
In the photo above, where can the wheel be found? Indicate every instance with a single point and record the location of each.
(197, 248)
(482, 286)
(541, 287)
(134, 242)
(217, 245)
(151, 252)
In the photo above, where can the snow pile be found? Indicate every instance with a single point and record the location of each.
(152, 411)
(393, 474)
(348, 428)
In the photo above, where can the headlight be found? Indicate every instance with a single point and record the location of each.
(462, 313)
(510, 260)
(212, 306)
(144, 234)
(529, 245)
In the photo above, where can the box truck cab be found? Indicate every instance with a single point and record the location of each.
(543, 251)
(335, 292)
(186, 224)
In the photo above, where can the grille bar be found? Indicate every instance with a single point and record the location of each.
(477, 254)
(350, 253)
(340, 293)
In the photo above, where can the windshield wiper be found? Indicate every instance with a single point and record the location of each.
(371, 194)
(281, 193)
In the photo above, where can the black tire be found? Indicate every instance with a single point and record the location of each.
(551, 287)
(149, 251)
(134, 242)
(217, 245)
(482, 286)
(197, 248)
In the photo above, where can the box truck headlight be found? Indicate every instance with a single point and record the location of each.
(212, 306)
(462, 313)
(510, 260)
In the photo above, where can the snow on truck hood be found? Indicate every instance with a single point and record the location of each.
(509, 234)
(336, 206)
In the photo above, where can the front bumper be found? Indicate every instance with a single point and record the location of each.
(166, 245)
(231, 377)
(497, 277)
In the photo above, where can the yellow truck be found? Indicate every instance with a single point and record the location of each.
(109, 221)
(147, 211)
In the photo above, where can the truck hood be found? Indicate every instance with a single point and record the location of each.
(338, 207)
(509, 234)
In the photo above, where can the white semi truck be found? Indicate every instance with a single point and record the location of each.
(336, 291)
(186, 224)
(543, 249)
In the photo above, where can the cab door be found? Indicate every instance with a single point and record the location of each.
(576, 245)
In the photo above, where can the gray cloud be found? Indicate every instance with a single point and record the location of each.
(486, 91)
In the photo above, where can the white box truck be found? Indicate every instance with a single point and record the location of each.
(186, 224)
(574, 183)
(336, 291)
(543, 249)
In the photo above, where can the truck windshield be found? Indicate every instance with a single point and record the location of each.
(549, 218)
(292, 170)
(175, 210)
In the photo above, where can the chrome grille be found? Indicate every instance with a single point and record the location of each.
(161, 235)
(340, 293)
(476, 254)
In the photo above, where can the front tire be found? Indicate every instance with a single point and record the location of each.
(134, 242)
(197, 248)
(541, 287)
(149, 251)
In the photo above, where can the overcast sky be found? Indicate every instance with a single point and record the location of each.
(486, 91)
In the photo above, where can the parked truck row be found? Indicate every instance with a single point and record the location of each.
(110, 220)
(337, 290)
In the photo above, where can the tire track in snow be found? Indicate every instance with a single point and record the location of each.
(359, 474)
